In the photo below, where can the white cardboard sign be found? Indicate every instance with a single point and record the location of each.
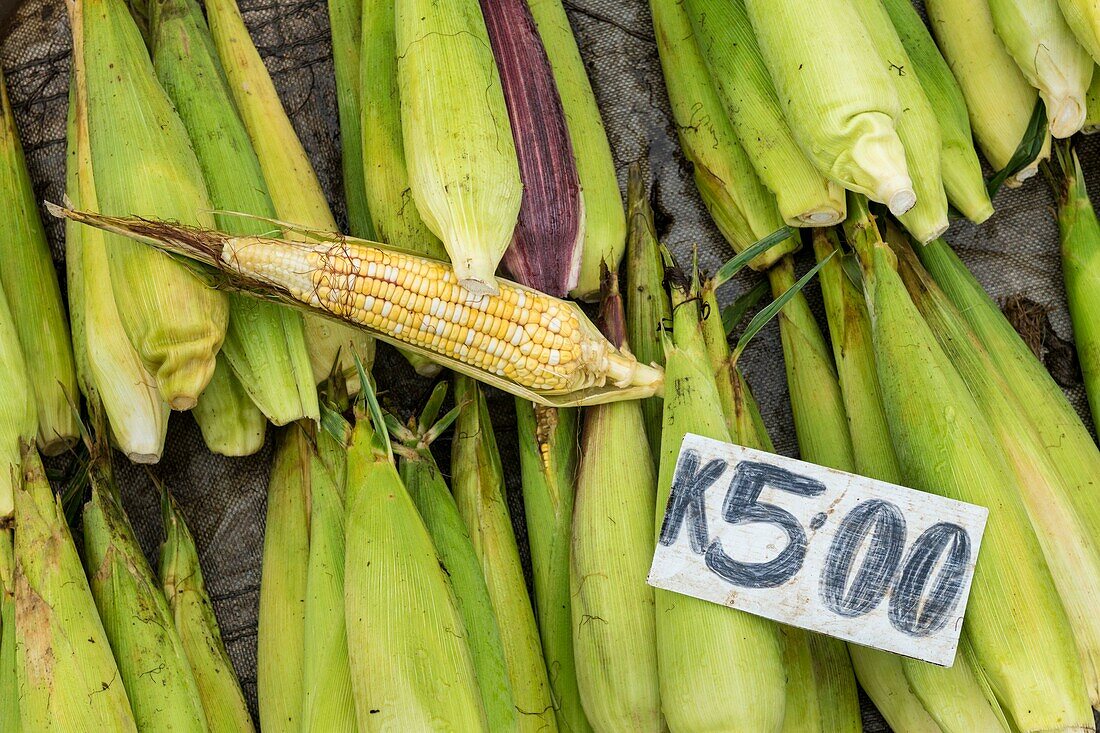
(862, 560)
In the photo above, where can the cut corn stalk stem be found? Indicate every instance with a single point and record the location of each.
(111, 373)
(547, 243)
(68, 678)
(728, 44)
(412, 668)
(152, 661)
(291, 181)
(143, 162)
(548, 445)
(1036, 35)
(428, 490)
(998, 97)
(264, 344)
(604, 225)
(9, 682)
(1021, 635)
(1081, 268)
(462, 164)
(184, 588)
(961, 169)
(230, 423)
(536, 347)
(281, 630)
(647, 307)
(27, 274)
(478, 487)
(741, 206)
(19, 420)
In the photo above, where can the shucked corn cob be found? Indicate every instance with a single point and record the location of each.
(26, 271)
(523, 341)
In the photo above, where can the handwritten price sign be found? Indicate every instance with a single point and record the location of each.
(844, 555)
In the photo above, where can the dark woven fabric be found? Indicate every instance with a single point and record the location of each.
(1014, 254)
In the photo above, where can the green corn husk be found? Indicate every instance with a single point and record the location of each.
(743, 209)
(27, 271)
(911, 695)
(1081, 269)
(1018, 627)
(961, 169)
(613, 612)
(726, 41)
(68, 679)
(548, 459)
(1067, 440)
(152, 661)
(9, 682)
(291, 181)
(281, 629)
(719, 668)
(230, 422)
(19, 420)
(1037, 36)
(1083, 19)
(647, 306)
(917, 125)
(265, 343)
(462, 164)
(428, 490)
(1092, 105)
(181, 579)
(838, 98)
(108, 368)
(143, 164)
(604, 222)
(478, 486)
(346, 22)
(998, 97)
(1072, 554)
(411, 664)
(396, 219)
(327, 702)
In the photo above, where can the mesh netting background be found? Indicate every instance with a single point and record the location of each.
(1015, 255)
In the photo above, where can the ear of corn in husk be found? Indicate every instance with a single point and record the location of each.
(152, 661)
(917, 124)
(19, 419)
(143, 164)
(727, 42)
(1067, 440)
(1067, 543)
(546, 247)
(68, 679)
(291, 181)
(109, 370)
(719, 668)
(614, 625)
(1083, 19)
(960, 167)
(740, 205)
(346, 22)
(548, 445)
(9, 682)
(912, 695)
(604, 225)
(998, 97)
(327, 703)
(230, 422)
(409, 651)
(281, 629)
(523, 341)
(462, 163)
(647, 307)
(478, 486)
(1080, 234)
(264, 344)
(837, 97)
(1019, 629)
(429, 491)
(1036, 35)
(27, 271)
(181, 579)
